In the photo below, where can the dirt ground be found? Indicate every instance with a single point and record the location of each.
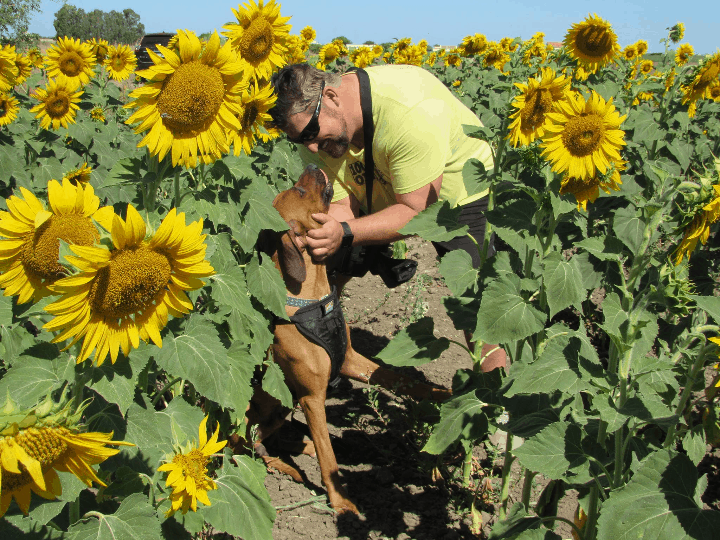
(377, 437)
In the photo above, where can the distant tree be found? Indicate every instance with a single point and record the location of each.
(115, 26)
(343, 39)
(369, 43)
(15, 21)
(69, 21)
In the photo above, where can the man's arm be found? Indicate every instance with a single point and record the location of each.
(378, 228)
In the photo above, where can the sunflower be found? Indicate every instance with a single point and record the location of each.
(535, 50)
(539, 97)
(24, 66)
(99, 47)
(308, 34)
(258, 37)
(587, 190)
(592, 43)
(677, 32)
(641, 46)
(328, 53)
(98, 114)
(8, 70)
(646, 67)
(495, 56)
(475, 44)
(124, 295)
(684, 53)
(643, 96)
(705, 75)
(190, 101)
(699, 228)
(29, 254)
(377, 50)
(187, 470)
(79, 176)
(452, 59)
(36, 57)
(9, 108)
(508, 44)
(269, 134)
(120, 62)
(630, 52)
(58, 103)
(35, 448)
(71, 58)
(714, 91)
(254, 115)
(432, 59)
(362, 57)
(583, 136)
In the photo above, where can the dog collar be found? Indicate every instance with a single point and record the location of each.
(302, 302)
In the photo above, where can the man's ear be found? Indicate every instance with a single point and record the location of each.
(291, 259)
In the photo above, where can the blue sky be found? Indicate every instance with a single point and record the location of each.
(443, 23)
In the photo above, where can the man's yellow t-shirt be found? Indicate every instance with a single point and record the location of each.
(418, 136)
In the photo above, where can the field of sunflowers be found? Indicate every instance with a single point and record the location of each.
(136, 310)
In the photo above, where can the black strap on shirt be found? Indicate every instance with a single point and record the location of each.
(368, 132)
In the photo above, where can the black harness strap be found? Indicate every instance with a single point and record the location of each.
(368, 132)
(323, 323)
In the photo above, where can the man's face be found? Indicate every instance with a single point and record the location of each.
(329, 124)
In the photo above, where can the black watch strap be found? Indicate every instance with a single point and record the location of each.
(348, 236)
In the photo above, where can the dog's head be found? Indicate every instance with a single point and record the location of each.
(311, 194)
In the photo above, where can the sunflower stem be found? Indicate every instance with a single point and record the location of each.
(507, 466)
(176, 188)
(165, 389)
(74, 510)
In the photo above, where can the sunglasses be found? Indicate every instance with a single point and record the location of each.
(313, 126)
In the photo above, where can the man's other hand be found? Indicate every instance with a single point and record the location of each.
(326, 240)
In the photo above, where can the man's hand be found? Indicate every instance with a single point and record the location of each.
(325, 241)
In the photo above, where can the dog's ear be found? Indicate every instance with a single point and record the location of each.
(291, 259)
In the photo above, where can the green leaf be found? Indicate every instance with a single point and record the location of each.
(5, 310)
(562, 366)
(682, 151)
(658, 504)
(475, 177)
(694, 444)
(461, 417)
(31, 379)
(506, 316)
(230, 289)
(629, 228)
(150, 432)
(646, 128)
(516, 523)
(115, 382)
(199, 356)
(241, 505)
(437, 223)
(606, 249)
(184, 421)
(414, 346)
(462, 311)
(274, 384)
(513, 221)
(554, 451)
(711, 304)
(134, 520)
(266, 284)
(457, 269)
(563, 283)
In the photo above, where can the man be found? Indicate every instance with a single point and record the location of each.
(419, 149)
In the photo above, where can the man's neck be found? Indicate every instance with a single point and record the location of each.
(351, 96)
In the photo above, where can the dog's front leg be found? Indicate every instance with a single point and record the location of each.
(314, 408)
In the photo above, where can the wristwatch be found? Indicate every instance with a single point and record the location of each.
(348, 236)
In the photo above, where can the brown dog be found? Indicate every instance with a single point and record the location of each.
(307, 366)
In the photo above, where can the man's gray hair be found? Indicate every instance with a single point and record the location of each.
(297, 88)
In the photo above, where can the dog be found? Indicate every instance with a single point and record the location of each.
(307, 366)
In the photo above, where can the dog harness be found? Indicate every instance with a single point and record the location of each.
(322, 322)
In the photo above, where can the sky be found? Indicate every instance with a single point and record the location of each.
(440, 23)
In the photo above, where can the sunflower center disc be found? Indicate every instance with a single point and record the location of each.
(191, 97)
(130, 282)
(41, 250)
(249, 115)
(71, 64)
(594, 42)
(257, 41)
(537, 104)
(58, 105)
(193, 465)
(583, 134)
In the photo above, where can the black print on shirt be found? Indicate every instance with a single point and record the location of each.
(357, 169)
